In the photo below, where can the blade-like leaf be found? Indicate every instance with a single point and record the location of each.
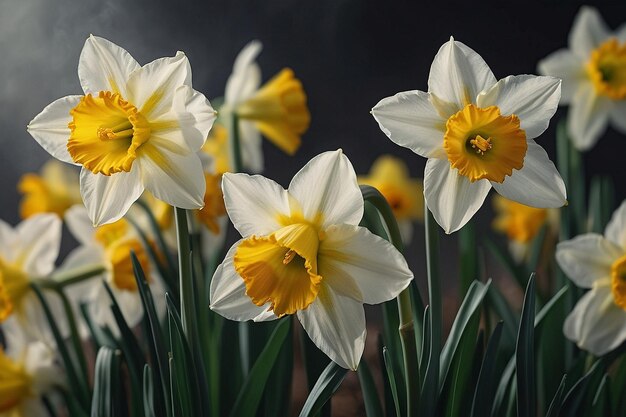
(326, 385)
(555, 405)
(525, 356)
(485, 386)
(391, 375)
(107, 398)
(370, 394)
(148, 392)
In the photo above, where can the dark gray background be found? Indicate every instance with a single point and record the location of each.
(349, 54)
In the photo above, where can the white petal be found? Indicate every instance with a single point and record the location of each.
(50, 130)
(567, 66)
(531, 98)
(616, 228)
(246, 76)
(104, 66)
(327, 186)
(228, 292)
(151, 88)
(588, 31)
(254, 203)
(370, 268)
(587, 258)
(251, 146)
(588, 117)
(7, 238)
(176, 179)
(596, 324)
(108, 198)
(458, 74)
(537, 184)
(451, 197)
(336, 324)
(40, 241)
(410, 120)
(618, 115)
(80, 225)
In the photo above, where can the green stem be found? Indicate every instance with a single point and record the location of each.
(236, 162)
(406, 329)
(71, 277)
(187, 301)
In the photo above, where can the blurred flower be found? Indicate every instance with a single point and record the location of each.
(302, 252)
(109, 245)
(593, 71)
(136, 127)
(27, 255)
(598, 322)
(216, 147)
(27, 371)
(476, 133)
(277, 109)
(54, 190)
(390, 176)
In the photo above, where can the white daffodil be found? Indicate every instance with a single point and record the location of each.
(277, 109)
(136, 127)
(593, 71)
(477, 133)
(303, 252)
(27, 371)
(27, 255)
(598, 321)
(109, 245)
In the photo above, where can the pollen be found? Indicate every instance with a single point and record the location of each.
(607, 69)
(106, 133)
(289, 256)
(482, 144)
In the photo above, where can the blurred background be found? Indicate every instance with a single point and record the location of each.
(348, 54)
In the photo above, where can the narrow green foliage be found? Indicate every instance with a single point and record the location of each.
(502, 255)
(107, 398)
(370, 394)
(328, 382)
(555, 404)
(601, 405)
(277, 398)
(509, 319)
(536, 250)
(618, 387)
(525, 356)
(486, 383)
(148, 392)
(468, 251)
(250, 395)
(601, 203)
(391, 375)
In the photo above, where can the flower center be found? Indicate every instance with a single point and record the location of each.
(281, 268)
(618, 281)
(483, 144)
(106, 132)
(14, 285)
(607, 69)
(15, 384)
(117, 249)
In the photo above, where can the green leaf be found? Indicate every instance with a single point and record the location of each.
(468, 251)
(328, 382)
(148, 392)
(509, 318)
(601, 202)
(250, 395)
(485, 388)
(525, 356)
(618, 387)
(391, 375)
(370, 394)
(576, 395)
(107, 398)
(601, 406)
(277, 399)
(536, 249)
(500, 400)
(555, 404)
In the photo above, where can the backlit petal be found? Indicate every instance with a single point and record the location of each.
(588, 31)
(326, 189)
(108, 198)
(451, 197)
(80, 225)
(567, 66)
(246, 76)
(587, 258)
(531, 98)
(50, 130)
(458, 74)
(616, 228)
(254, 203)
(537, 184)
(588, 117)
(358, 264)
(104, 66)
(410, 120)
(40, 241)
(336, 324)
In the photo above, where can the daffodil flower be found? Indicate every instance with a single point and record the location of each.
(390, 176)
(27, 255)
(277, 109)
(109, 245)
(303, 253)
(54, 190)
(593, 70)
(136, 127)
(598, 322)
(477, 133)
(27, 372)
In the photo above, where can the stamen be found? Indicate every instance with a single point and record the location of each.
(481, 144)
(289, 256)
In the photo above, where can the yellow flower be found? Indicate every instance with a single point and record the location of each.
(390, 176)
(54, 190)
(519, 222)
(216, 147)
(278, 109)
